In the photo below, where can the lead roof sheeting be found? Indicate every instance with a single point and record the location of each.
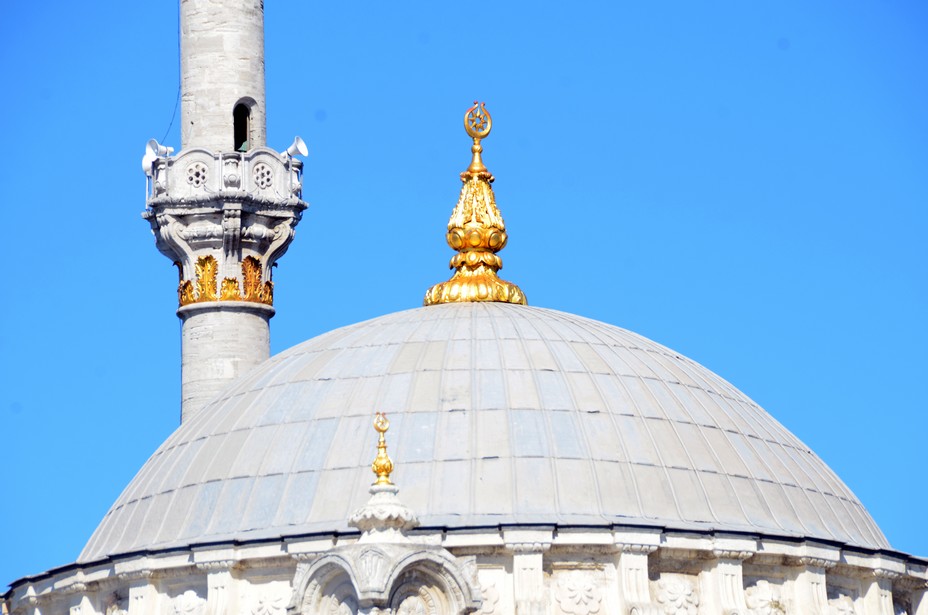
(500, 414)
(296, 502)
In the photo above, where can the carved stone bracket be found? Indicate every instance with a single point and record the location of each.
(729, 554)
(639, 549)
(528, 547)
(816, 562)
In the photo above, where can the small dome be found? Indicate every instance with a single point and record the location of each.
(501, 414)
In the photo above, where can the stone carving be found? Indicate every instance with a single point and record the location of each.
(732, 554)
(200, 210)
(677, 596)
(414, 598)
(335, 605)
(232, 178)
(841, 601)
(269, 604)
(263, 175)
(189, 603)
(577, 594)
(817, 562)
(117, 604)
(371, 563)
(764, 598)
(337, 598)
(842, 605)
(490, 599)
(413, 605)
(196, 174)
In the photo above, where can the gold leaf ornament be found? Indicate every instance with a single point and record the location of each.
(382, 465)
(476, 231)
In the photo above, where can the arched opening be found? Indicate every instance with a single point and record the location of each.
(241, 119)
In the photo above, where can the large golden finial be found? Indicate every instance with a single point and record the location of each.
(476, 231)
(382, 465)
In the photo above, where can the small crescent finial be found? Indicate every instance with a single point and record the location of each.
(477, 122)
(382, 465)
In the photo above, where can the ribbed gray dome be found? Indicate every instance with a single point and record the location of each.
(500, 414)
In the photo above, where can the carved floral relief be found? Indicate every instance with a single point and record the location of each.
(490, 599)
(413, 598)
(189, 603)
(841, 601)
(117, 605)
(269, 603)
(577, 594)
(676, 595)
(413, 605)
(764, 598)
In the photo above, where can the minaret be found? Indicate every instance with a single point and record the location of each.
(223, 209)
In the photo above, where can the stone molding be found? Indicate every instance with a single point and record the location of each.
(245, 573)
(816, 562)
(528, 547)
(638, 549)
(735, 555)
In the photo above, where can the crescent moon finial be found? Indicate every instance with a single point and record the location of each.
(477, 121)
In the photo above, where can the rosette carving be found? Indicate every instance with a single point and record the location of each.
(189, 603)
(677, 596)
(764, 599)
(577, 594)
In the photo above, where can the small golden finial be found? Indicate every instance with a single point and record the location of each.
(382, 465)
(478, 124)
(476, 230)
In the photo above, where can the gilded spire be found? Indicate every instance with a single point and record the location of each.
(476, 231)
(382, 465)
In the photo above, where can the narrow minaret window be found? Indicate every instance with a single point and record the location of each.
(241, 117)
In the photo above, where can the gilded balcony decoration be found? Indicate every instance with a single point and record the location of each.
(224, 218)
(207, 270)
(203, 287)
(476, 231)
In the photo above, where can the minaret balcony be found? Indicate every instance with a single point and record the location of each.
(197, 176)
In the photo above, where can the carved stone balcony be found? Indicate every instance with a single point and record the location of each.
(224, 218)
(196, 176)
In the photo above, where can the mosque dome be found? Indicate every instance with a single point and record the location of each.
(502, 415)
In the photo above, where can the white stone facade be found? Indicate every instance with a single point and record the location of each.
(523, 571)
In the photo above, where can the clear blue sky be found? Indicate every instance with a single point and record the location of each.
(745, 182)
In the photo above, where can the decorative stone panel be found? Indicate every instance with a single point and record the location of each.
(577, 592)
(765, 598)
(188, 603)
(676, 594)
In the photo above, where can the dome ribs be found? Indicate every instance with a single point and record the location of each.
(502, 414)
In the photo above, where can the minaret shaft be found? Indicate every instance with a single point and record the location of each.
(222, 67)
